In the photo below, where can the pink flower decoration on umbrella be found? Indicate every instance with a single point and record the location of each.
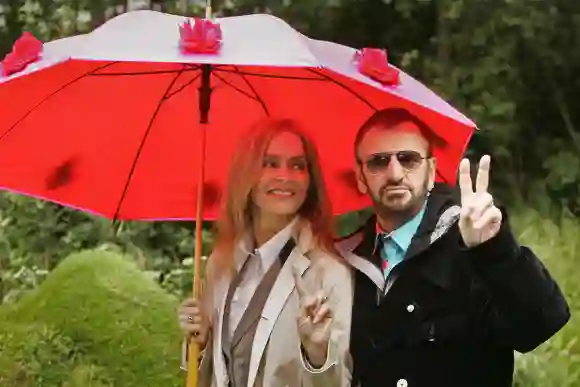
(26, 50)
(201, 37)
(374, 63)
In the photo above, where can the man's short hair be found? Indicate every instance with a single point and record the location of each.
(391, 117)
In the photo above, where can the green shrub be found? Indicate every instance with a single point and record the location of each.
(35, 355)
(102, 305)
(557, 362)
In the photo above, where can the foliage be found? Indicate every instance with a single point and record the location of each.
(26, 350)
(96, 304)
(556, 363)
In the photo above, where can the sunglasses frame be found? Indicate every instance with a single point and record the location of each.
(389, 156)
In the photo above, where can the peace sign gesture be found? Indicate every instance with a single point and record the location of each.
(314, 318)
(480, 220)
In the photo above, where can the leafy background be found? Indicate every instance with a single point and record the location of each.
(511, 65)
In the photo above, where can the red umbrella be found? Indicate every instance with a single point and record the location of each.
(108, 122)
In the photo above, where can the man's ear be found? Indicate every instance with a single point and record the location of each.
(432, 172)
(360, 180)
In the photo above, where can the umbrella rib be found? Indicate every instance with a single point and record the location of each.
(330, 79)
(183, 87)
(271, 75)
(142, 144)
(153, 72)
(63, 87)
(236, 88)
(258, 98)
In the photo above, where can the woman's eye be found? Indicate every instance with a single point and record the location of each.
(270, 164)
(299, 166)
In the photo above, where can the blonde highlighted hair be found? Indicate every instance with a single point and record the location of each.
(244, 172)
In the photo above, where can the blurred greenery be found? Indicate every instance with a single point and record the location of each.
(510, 65)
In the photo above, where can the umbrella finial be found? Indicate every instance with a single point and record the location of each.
(208, 9)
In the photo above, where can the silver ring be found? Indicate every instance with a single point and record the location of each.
(324, 299)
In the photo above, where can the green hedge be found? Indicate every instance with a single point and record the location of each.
(557, 243)
(97, 313)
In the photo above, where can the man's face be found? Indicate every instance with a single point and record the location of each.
(394, 169)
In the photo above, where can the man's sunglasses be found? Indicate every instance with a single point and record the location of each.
(409, 160)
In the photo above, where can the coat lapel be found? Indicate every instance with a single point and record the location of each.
(282, 289)
(221, 297)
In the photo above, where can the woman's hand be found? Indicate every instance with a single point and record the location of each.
(314, 322)
(193, 321)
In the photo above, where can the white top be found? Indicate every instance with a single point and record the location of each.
(260, 261)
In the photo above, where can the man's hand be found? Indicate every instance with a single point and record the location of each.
(314, 321)
(480, 220)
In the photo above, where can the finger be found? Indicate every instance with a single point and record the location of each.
(465, 184)
(192, 329)
(321, 313)
(190, 311)
(299, 283)
(308, 305)
(190, 318)
(482, 181)
(481, 203)
(189, 303)
(318, 276)
(492, 215)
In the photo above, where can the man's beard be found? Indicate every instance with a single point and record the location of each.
(406, 211)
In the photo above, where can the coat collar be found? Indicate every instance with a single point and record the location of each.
(401, 236)
(441, 214)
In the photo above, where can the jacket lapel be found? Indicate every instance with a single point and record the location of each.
(254, 309)
(282, 289)
(222, 290)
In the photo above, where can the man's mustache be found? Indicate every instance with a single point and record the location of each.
(392, 186)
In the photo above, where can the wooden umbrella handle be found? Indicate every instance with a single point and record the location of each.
(193, 348)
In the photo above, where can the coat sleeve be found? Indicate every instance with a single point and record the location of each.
(527, 305)
(337, 371)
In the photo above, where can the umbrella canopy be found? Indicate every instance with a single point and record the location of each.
(109, 122)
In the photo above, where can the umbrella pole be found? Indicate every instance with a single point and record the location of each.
(204, 106)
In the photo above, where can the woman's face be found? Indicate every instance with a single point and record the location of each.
(284, 182)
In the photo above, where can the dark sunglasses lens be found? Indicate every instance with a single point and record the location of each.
(378, 163)
(409, 159)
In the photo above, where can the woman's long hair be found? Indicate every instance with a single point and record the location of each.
(244, 173)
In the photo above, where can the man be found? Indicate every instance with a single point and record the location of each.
(443, 293)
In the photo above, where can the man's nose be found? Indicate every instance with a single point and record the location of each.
(395, 171)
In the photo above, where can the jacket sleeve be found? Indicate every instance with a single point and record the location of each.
(337, 371)
(527, 305)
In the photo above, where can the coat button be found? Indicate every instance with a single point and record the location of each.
(410, 308)
(402, 383)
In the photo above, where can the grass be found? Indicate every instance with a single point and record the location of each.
(96, 316)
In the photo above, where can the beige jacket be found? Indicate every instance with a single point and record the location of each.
(276, 358)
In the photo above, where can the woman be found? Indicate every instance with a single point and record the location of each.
(277, 301)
